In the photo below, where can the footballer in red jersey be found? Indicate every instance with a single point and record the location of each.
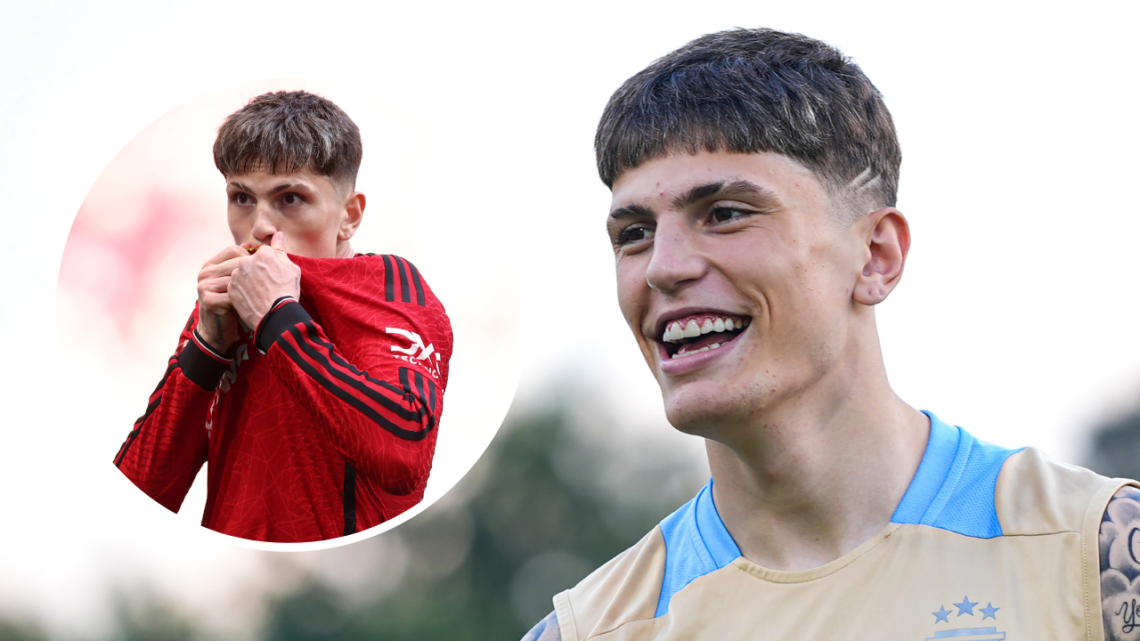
(309, 378)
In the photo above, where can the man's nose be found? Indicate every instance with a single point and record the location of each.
(263, 223)
(675, 260)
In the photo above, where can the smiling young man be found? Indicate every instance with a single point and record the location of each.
(310, 378)
(754, 226)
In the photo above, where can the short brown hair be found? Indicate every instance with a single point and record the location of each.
(755, 90)
(286, 131)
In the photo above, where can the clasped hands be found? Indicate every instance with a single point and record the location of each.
(238, 286)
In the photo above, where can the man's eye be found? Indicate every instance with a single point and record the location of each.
(634, 234)
(241, 199)
(726, 214)
(291, 199)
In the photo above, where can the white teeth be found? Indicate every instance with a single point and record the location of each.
(675, 331)
(691, 330)
(682, 353)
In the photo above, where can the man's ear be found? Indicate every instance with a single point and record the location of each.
(887, 235)
(354, 213)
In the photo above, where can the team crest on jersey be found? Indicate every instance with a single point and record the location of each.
(417, 353)
(973, 629)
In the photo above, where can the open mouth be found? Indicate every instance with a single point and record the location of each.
(701, 333)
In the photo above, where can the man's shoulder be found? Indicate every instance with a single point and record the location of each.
(1036, 495)
(970, 487)
(625, 589)
(369, 279)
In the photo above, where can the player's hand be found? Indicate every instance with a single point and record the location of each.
(262, 278)
(217, 320)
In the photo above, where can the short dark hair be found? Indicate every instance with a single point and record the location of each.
(755, 90)
(286, 131)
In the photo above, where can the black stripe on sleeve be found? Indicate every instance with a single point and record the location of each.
(153, 405)
(420, 385)
(149, 410)
(408, 391)
(170, 367)
(279, 321)
(431, 399)
(323, 380)
(349, 498)
(134, 434)
(123, 448)
(202, 370)
(328, 354)
(418, 282)
(390, 387)
(405, 289)
(389, 294)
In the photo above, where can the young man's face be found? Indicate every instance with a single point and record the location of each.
(714, 241)
(309, 208)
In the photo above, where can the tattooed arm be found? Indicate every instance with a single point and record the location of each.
(217, 321)
(545, 630)
(1120, 566)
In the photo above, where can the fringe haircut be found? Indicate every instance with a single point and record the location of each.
(286, 131)
(758, 90)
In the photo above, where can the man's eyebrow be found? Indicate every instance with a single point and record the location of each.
(276, 188)
(631, 211)
(291, 187)
(700, 192)
(722, 188)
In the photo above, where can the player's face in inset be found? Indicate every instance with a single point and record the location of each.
(735, 279)
(309, 208)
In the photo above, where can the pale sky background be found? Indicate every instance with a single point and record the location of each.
(1016, 318)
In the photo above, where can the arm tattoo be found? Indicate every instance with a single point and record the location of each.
(218, 328)
(1120, 566)
(545, 630)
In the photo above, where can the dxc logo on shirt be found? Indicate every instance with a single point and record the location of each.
(417, 351)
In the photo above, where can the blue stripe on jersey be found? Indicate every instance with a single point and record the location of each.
(953, 488)
(696, 543)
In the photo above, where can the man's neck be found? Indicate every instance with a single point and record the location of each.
(818, 477)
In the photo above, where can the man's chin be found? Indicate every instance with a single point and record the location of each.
(715, 408)
(699, 414)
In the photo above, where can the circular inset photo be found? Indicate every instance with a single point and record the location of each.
(318, 340)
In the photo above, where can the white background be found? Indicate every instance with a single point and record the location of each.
(1016, 318)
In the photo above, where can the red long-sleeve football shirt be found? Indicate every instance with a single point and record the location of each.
(321, 423)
